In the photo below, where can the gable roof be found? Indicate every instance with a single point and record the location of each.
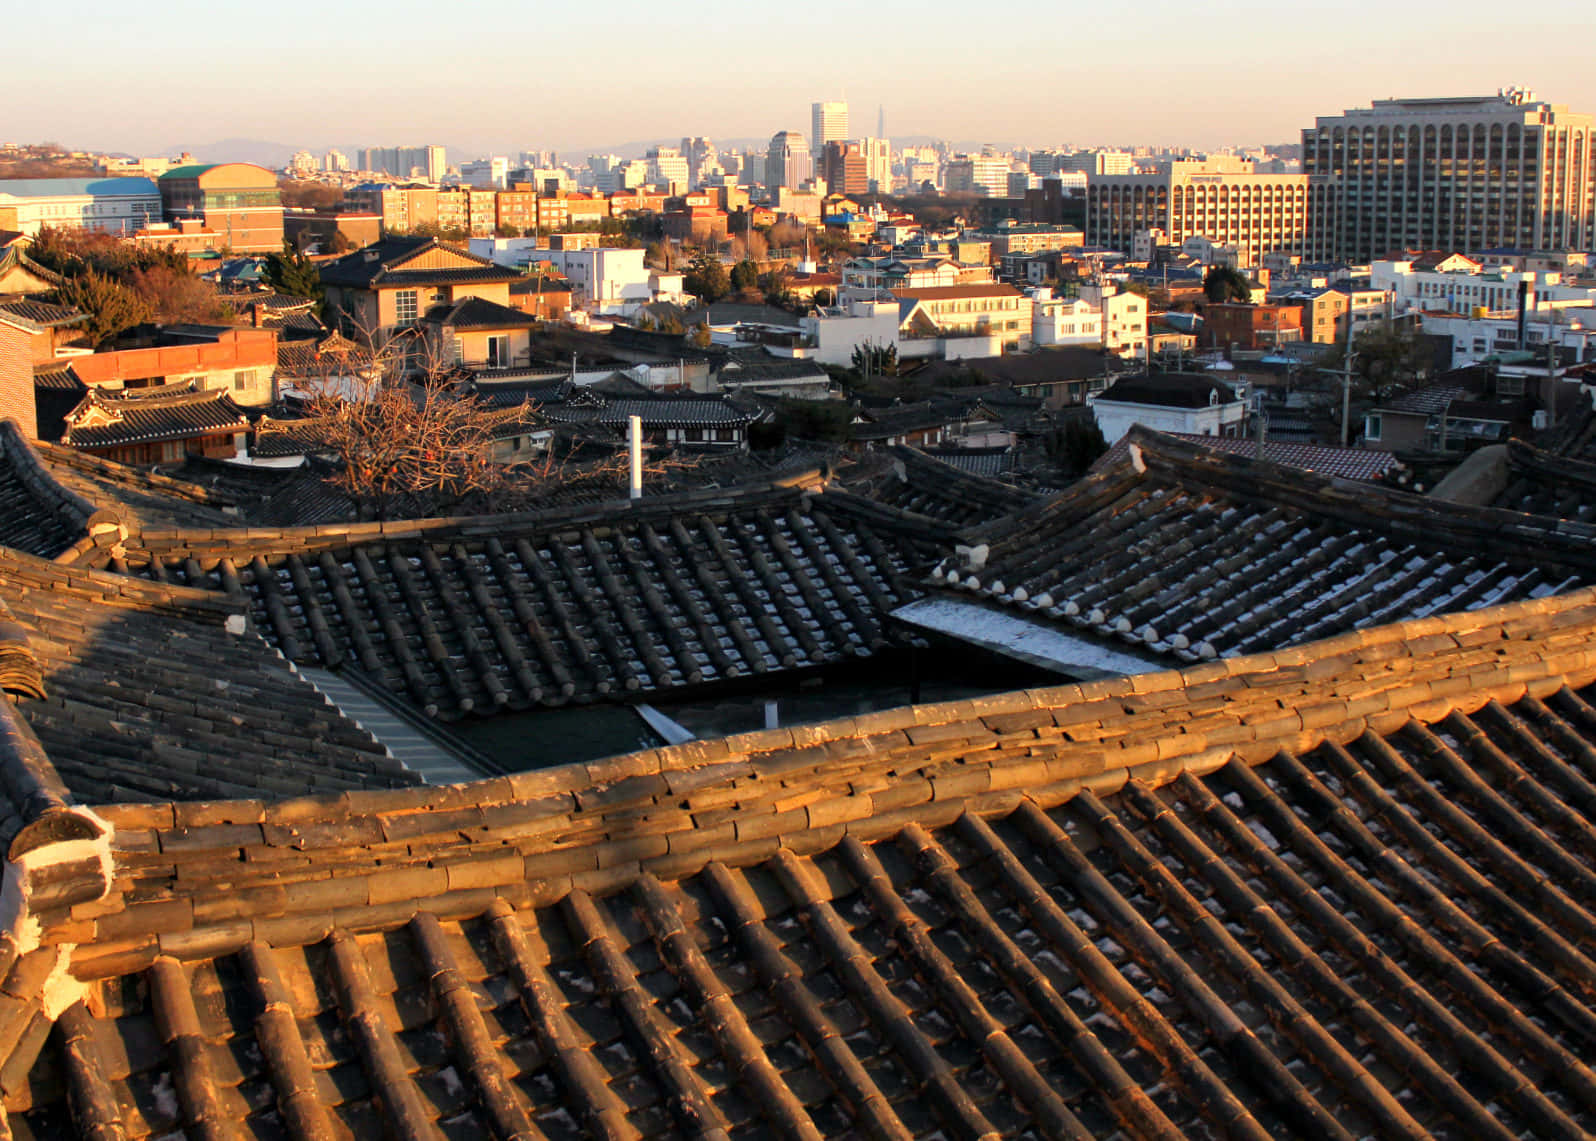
(171, 412)
(39, 316)
(1212, 554)
(1002, 917)
(383, 265)
(1344, 463)
(1169, 390)
(475, 615)
(479, 313)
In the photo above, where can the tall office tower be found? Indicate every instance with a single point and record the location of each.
(829, 124)
(667, 166)
(1450, 174)
(787, 160)
(1220, 199)
(878, 164)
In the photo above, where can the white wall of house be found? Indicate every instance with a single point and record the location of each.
(835, 333)
(1115, 417)
(1064, 320)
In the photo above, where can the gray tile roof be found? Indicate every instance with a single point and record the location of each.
(474, 615)
(1189, 553)
(1338, 892)
(150, 415)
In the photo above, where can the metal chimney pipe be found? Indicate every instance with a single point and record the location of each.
(1523, 301)
(634, 440)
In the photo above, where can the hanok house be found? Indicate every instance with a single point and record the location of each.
(20, 275)
(1338, 890)
(711, 423)
(387, 288)
(50, 328)
(157, 425)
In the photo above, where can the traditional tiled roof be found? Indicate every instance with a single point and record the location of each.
(656, 413)
(463, 615)
(330, 356)
(1345, 463)
(1544, 483)
(1426, 401)
(107, 420)
(57, 376)
(155, 692)
(479, 313)
(991, 462)
(137, 498)
(381, 266)
(38, 316)
(37, 514)
(276, 439)
(929, 485)
(1188, 552)
(1338, 892)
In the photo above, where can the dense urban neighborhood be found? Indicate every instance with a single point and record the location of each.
(847, 636)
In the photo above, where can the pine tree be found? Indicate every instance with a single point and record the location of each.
(293, 274)
(112, 308)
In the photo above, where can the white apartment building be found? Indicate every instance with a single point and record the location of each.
(1451, 174)
(987, 175)
(603, 280)
(1124, 318)
(1064, 320)
(111, 205)
(1221, 199)
(334, 161)
(487, 173)
(878, 164)
(667, 166)
(1098, 162)
(831, 334)
(1477, 336)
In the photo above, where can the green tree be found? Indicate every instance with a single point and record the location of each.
(293, 274)
(1224, 283)
(699, 336)
(505, 230)
(745, 276)
(111, 306)
(1076, 445)
(706, 278)
(1386, 358)
(875, 360)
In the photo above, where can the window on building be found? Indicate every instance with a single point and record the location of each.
(173, 451)
(406, 305)
(499, 351)
(1371, 426)
(244, 381)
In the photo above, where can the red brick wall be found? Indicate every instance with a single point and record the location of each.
(16, 380)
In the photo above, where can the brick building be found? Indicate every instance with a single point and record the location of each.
(238, 200)
(1235, 325)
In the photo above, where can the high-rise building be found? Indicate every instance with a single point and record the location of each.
(428, 162)
(1220, 199)
(334, 160)
(829, 124)
(1096, 162)
(787, 160)
(878, 164)
(977, 174)
(668, 167)
(1450, 174)
(302, 162)
(844, 168)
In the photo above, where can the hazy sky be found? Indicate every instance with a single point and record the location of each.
(502, 75)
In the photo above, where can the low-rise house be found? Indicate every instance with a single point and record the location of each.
(384, 289)
(708, 422)
(1194, 404)
(20, 275)
(240, 362)
(1233, 325)
(478, 333)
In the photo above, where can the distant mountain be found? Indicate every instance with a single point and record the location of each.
(259, 151)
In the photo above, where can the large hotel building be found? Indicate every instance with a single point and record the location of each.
(1449, 174)
(1220, 199)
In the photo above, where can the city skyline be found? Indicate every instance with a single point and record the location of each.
(338, 87)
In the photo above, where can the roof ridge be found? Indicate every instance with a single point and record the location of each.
(534, 837)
